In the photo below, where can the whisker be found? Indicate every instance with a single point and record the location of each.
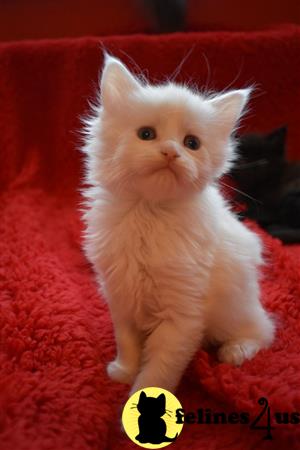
(143, 76)
(241, 192)
(235, 78)
(259, 162)
(179, 67)
(206, 86)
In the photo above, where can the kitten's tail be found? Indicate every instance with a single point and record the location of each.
(167, 439)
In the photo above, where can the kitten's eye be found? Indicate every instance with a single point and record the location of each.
(146, 133)
(192, 142)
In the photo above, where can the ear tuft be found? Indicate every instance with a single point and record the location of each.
(116, 82)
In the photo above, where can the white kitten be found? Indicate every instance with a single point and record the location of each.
(174, 263)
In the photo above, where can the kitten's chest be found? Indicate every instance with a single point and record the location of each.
(147, 257)
(143, 239)
(145, 245)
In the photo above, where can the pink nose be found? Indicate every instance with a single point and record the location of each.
(170, 153)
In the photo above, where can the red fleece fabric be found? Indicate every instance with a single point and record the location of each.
(56, 332)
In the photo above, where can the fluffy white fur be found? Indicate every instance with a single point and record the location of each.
(174, 263)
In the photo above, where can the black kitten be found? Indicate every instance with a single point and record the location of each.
(263, 173)
(152, 428)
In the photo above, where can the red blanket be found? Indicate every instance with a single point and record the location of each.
(56, 333)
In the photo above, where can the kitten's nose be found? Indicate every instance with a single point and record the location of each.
(170, 152)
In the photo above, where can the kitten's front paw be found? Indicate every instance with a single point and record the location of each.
(235, 352)
(119, 373)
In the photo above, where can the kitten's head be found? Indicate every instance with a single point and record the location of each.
(261, 160)
(152, 406)
(159, 142)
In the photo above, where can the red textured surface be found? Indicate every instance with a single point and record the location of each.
(56, 334)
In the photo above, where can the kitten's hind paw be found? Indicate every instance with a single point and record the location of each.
(119, 373)
(235, 352)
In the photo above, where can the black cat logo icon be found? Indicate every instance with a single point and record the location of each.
(149, 418)
(152, 428)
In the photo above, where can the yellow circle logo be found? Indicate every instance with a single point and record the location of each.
(149, 418)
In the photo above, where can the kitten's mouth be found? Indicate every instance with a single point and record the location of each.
(170, 168)
(164, 170)
(167, 167)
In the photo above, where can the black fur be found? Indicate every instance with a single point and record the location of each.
(263, 173)
(168, 15)
(152, 428)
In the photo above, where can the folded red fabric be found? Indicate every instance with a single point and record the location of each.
(56, 333)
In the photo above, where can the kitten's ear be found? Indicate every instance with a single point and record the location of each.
(228, 109)
(116, 82)
(277, 140)
(162, 399)
(278, 136)
(143, 396)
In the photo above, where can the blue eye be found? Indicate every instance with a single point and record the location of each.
(146, 133)
(191, 142)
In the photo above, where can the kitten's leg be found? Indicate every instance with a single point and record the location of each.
(254, 332)
(167, 352)
(125, 367)
(237, 350)
(241, 324)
